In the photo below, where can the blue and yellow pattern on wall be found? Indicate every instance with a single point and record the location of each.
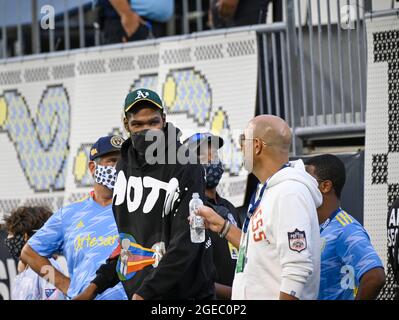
(42, 144)
(149, 81)
(188, 91)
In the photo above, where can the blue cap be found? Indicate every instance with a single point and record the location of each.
(106, 145)
(197, 139)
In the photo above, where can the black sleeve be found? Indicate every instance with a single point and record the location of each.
(106, 275)
(395, 266)
(181, 252)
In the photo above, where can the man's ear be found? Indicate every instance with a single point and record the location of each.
(125, 124)
(26, 237)
(92, 167)
(326, 186)
(257, 146)
(164, 119)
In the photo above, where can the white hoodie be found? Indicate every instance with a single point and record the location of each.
(283, 251)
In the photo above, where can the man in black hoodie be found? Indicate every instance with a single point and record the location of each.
(156, 179)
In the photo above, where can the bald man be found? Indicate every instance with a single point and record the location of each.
(279, 245)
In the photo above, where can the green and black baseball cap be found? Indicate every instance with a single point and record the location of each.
(138, 96)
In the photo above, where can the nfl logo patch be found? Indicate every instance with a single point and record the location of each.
(297, 240)
(49, 292)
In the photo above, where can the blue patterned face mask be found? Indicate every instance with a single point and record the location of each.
(214, 172)
(105, 175)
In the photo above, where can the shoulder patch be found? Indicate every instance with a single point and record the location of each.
(341, 220)
(297, 240)
(344, 219)
(347, 216)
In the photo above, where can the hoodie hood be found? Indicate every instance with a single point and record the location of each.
(296, 172)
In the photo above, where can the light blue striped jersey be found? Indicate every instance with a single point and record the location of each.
(346, 255)
(85, 233)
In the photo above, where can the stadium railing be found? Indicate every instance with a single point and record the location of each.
(312, 65)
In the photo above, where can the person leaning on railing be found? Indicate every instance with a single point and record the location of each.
(131, 20)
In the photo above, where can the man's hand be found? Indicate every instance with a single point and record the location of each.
(43, 267)
(130, 22)
(227, 8)
(213, 221)
(87, 294)
(285, 296)
(129, 19)
(222, 292)
(137, 297)
(63, 284)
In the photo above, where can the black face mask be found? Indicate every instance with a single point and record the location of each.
(214, 172)
(140, 144)
(138, 141)
(15, 245)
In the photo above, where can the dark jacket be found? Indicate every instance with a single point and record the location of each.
(224, 254)
(154, 216)
(393, 245)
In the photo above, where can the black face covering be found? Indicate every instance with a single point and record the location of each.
(15, 245)
(214, 172)
(140, 144)
(138, 141)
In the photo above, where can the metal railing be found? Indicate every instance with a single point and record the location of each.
(76, 22)
(188, 16)
(314, 71)
(32, 38)
(312, 66)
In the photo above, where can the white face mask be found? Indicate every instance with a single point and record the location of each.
(105, 175)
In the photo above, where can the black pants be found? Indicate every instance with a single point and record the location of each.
(248, 12)
(113, 32)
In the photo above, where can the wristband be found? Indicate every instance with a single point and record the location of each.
(225, 229)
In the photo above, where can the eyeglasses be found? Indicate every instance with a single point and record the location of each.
(242, 139)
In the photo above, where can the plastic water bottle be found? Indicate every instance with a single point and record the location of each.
(197, 225)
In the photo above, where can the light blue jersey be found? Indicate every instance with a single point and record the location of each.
(346, 255)
(86, 234)
(158, 10)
